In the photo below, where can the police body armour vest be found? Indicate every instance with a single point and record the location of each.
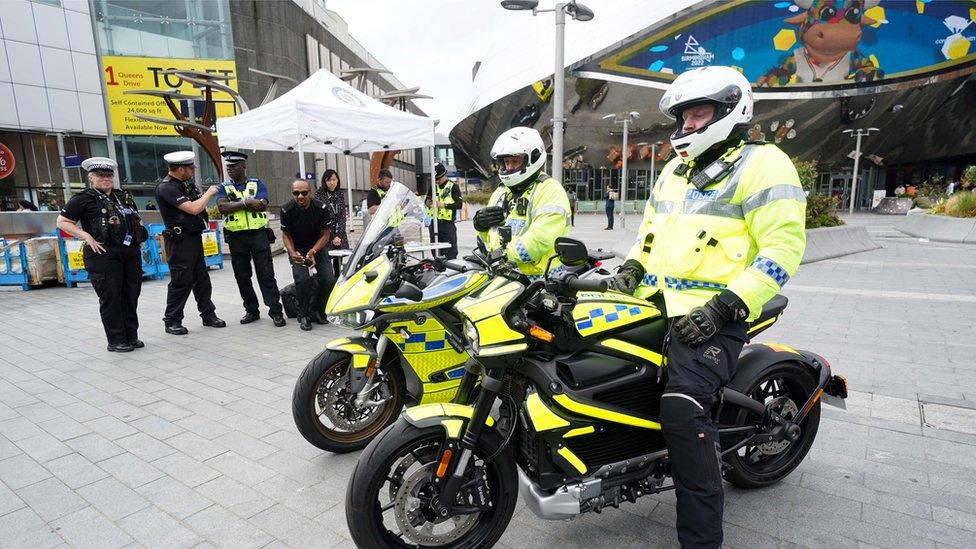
(243, 220)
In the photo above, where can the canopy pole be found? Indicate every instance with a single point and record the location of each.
(348, 190)
(433, 200)
(301, 157)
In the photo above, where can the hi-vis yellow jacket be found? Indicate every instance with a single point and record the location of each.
(744, 232)
(537, 218)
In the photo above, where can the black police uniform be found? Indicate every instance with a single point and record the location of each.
(184, 250)
(447, 230)
(116, 275)
(305, 228)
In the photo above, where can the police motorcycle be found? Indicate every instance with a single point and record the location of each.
(411, 350)
(559, 403)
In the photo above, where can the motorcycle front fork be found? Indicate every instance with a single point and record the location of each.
(362, 380)
(453, 469)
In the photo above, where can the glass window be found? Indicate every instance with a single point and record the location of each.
(163, 28)
(141, 159)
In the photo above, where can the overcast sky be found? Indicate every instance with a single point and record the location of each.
(434, 43)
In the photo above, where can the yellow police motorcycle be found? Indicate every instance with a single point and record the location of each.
(411, 349)
(559, 403)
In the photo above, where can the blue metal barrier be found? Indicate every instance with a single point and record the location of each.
(73, 263)
(13, 267)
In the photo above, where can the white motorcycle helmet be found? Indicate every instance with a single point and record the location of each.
(725, 88)
(520, 141)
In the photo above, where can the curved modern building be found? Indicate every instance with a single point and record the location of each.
(818, 67)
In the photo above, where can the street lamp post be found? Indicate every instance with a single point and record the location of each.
(578, 12)
(857, 134)
(624, 118)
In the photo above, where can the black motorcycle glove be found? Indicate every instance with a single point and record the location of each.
(701, 323)
(488, 217)
(628, 277)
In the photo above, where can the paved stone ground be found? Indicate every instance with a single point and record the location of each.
(190, 441)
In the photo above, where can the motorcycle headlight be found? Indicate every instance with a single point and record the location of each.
(471, 334)
(351, 320)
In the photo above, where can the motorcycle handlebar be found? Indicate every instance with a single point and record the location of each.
(455, 266)
(588, 284)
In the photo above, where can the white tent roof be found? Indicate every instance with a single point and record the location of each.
(324, 114)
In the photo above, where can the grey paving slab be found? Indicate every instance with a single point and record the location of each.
(190, 442)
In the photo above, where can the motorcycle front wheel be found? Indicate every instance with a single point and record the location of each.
(390, 492)
(325, 409)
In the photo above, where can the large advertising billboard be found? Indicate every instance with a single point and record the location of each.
(833, 47)
(146, 73)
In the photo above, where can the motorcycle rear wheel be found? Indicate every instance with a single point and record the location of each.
(321, 394)
(759, 465)
(383, 473)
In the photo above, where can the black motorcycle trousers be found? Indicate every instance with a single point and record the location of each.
(187, 273)
(116, 276)
(695, 375)
(246, 246)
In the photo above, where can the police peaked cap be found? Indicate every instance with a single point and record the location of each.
(179, 158)
(439, 170)
(233, 157)
(99, 164)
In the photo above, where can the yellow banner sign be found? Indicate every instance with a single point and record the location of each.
(146, 73)
(76, 257)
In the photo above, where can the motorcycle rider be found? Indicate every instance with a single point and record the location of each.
(529, 201)
(722, 232)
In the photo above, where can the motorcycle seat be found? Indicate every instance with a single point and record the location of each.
(772, 309)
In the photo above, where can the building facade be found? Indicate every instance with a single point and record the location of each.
(66, 67)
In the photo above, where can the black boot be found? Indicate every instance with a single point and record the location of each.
(213, 322)
(319, 318)
(137, 344)
(278, 319)
(119, 347)
(176, 328)
(250, 317)
(305, 323)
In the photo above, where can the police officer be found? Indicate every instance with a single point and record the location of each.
(722, 232)
(448, 203)
(375, 196)
(533, 204)
(184, 211)
(112, 231)
(244, 203)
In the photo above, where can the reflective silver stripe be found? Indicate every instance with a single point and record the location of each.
(684, 397)
(664, 206)
(552, 208)
(771, 194)
(720, 209)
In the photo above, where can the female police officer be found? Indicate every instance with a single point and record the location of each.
(112, 231)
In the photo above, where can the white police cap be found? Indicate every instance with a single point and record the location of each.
(179, 158)
(99, 164)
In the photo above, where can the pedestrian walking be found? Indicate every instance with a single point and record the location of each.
(184, 212)
(449, 202)
(108, 222)
(611, 198)
(305, 228)
(330, 194)
(243, 201)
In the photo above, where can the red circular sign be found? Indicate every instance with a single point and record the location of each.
(7, 161)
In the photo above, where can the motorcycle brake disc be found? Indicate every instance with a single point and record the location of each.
(787, 410)
(341, 412)
(411, 521)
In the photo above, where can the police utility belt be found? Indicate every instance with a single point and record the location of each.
(176, 233)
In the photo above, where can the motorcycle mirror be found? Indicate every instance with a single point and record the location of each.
(481, 247)
(571, 252)
(409, 291)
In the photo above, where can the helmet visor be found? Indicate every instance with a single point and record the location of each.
(508, 164)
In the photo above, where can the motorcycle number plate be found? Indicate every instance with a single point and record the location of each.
(833, 401)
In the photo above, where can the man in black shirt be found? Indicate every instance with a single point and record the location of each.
(184, 211)
(375, 196)
(305, 226)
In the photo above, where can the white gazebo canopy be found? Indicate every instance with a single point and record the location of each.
(324, 114)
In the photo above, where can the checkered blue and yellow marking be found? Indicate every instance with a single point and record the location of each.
(771, 269)
(593, 318)
(422, 342)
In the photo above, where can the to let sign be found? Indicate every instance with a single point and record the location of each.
(7, 161)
